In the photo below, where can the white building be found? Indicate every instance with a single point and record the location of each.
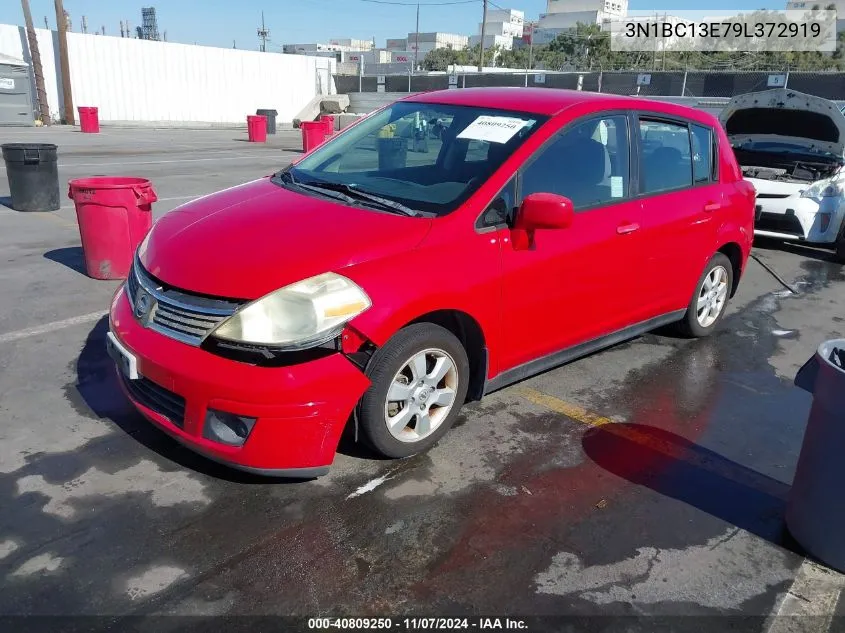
(567, 14)
(334, 45)
(428, 42)
(806, 5)
(500, 29)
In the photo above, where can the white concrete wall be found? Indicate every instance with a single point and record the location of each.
(141, 81)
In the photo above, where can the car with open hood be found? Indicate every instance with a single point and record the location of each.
(389, 276)
(791, 147)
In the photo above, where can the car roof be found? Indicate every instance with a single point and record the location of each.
(553, 101)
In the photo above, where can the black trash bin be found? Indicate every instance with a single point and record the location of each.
(271, 119)
(33, 175)
(815, 511)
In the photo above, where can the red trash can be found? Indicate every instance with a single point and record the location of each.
(328, 121)
(114, 215)
(313, 134)
(257, 127)
(89, 120)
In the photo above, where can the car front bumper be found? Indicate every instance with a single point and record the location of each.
(814, 220)
(300, 410)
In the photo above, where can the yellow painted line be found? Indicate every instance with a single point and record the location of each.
(680, 450)
(561, 406)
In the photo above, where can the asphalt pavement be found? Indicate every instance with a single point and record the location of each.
(649, 479)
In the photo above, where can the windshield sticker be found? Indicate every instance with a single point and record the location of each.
(616, 188)
(495, 129)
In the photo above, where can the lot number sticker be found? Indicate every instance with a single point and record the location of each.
(494, 129)
(7, 83)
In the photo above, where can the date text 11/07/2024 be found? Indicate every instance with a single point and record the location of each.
(416, 624)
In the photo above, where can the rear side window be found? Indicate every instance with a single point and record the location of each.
(666, 163)
(587, 163)
(702, 154)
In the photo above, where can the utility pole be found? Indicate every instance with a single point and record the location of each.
(417, 40)
(263, 34)
(46, 23)
(67, 94)
(41, 92)
(531, 48)
(483, 34)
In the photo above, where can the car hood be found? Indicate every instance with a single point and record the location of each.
(247, 241)
(783, 115)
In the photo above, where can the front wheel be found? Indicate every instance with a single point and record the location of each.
(419, 383)
(840, 249)
(708, 303)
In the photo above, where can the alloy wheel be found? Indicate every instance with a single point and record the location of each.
(421, 395)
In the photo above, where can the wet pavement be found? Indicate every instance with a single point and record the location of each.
(649, 479)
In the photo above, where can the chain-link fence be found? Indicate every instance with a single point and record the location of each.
(691, 83)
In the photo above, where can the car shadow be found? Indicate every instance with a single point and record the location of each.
(97, 385)
(675, 467)
(6, 201)
(71, 256)
(796, 248)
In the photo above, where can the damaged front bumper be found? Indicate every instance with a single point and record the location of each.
(814, 220)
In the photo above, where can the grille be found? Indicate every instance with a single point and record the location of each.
(157, 398)
(772, 195)
(779, 223)
(177, 314)
(184, 322)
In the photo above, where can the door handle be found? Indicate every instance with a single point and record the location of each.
(624, 229)
(712, 206)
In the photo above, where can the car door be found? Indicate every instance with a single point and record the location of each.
(575, 284)
(678, 185)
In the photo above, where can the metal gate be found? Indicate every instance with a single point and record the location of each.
(15, 94)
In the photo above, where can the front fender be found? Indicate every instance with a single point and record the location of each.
(409, 285)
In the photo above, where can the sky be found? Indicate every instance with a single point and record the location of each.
(235, 22)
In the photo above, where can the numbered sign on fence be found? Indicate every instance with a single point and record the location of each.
(777, 81)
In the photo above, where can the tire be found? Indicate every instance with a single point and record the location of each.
(840, 249)
(395, 371)
(692, 325)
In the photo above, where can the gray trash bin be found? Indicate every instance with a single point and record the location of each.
(815, 512)
(271, 119)
(33, 174)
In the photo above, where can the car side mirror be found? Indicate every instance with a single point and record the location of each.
(545, 211)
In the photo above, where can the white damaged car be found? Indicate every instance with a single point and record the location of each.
(791, 147)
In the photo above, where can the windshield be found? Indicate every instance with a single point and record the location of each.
(415, 158)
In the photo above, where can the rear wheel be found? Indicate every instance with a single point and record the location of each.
(419, 383)
(708, 303)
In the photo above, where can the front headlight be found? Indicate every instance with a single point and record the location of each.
(830, 188)
(298, 316)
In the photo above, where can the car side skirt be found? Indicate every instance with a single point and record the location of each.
(538, 366)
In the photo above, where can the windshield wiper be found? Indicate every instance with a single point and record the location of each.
(373, 200)
(288, 178)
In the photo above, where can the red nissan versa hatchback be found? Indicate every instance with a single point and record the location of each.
(443, 247)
